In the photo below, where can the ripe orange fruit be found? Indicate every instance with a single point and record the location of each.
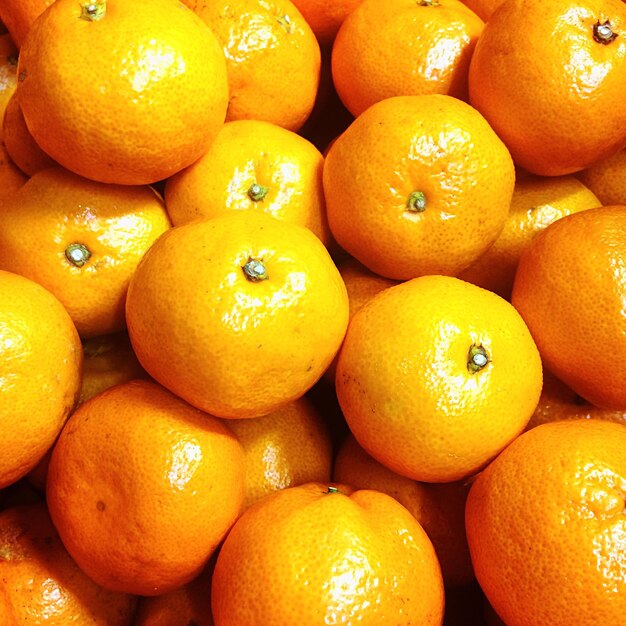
(288, 447)
(433, 193)
(324, 553)
(537, 201)
(8, 71)
(559, 402)
(19, 15)
(82, 240)
(253, 165)
(252, 327)
(11, 178)
(549, 78)
(324, 17)
(483, 8)
(40, 368)
(154, 77)
(189, 605)
(19, 143)
(570, 288)
(142, 488)
(440, 509)
(546, 526)
(436, 376)
(420, 47)
(272, 56)
(41, 582)
(607, 178)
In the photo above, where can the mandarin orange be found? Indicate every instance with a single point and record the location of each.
(251, 326)
(570, 288)
(143, 487)
(436, 376)
(549, 78)
(122, 93)
(431, 196)
(420, 47)
(322, 553)
(547, 529)
(40, 371)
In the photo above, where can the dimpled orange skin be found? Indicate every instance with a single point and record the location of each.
(19, 143)
(229, 345)
(483, 8)
(325, 17)
(40, 371)
(440, 509)
(130, 98)
(288, 447)
(19, 15)
(142, 488)
(116, 223)
(551, 91)
(419, 48)
(559, 402)
(570, 287)
(607, 178)
(412, 399)
(272, 56)
(245, 153)
(546, 526)
(42, 584)
(537, 201)
(306, 556)
(433, 144)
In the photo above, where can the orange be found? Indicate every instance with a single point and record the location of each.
(431, 196)
(537, 201)
(324, 17)
(250, 326)
(549, 78)
(253, 165)
(11, 178)
(40, 368)
(436, 376)
(607, 178)
(152, 73)
(327, 554)
(559, 402)
(440, 509)
(483, 8)
(41, 582)
(8, 71)
(19, 15)
(19, 143)
(403, 48)
(288, 447)
(189, 605)
(82, 240)
(272, 57)
(546, 526)
(570, 288)
(142, 488)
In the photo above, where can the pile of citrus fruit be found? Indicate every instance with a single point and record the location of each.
(313, 313)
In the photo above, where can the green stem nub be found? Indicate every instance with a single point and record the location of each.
(603, 32)
(77, 254)
(286, 23)
(416, 202)
(93, 11)
(427, 3)
(332, 490)
(255, 271)
(477, 358)
(257, 192)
